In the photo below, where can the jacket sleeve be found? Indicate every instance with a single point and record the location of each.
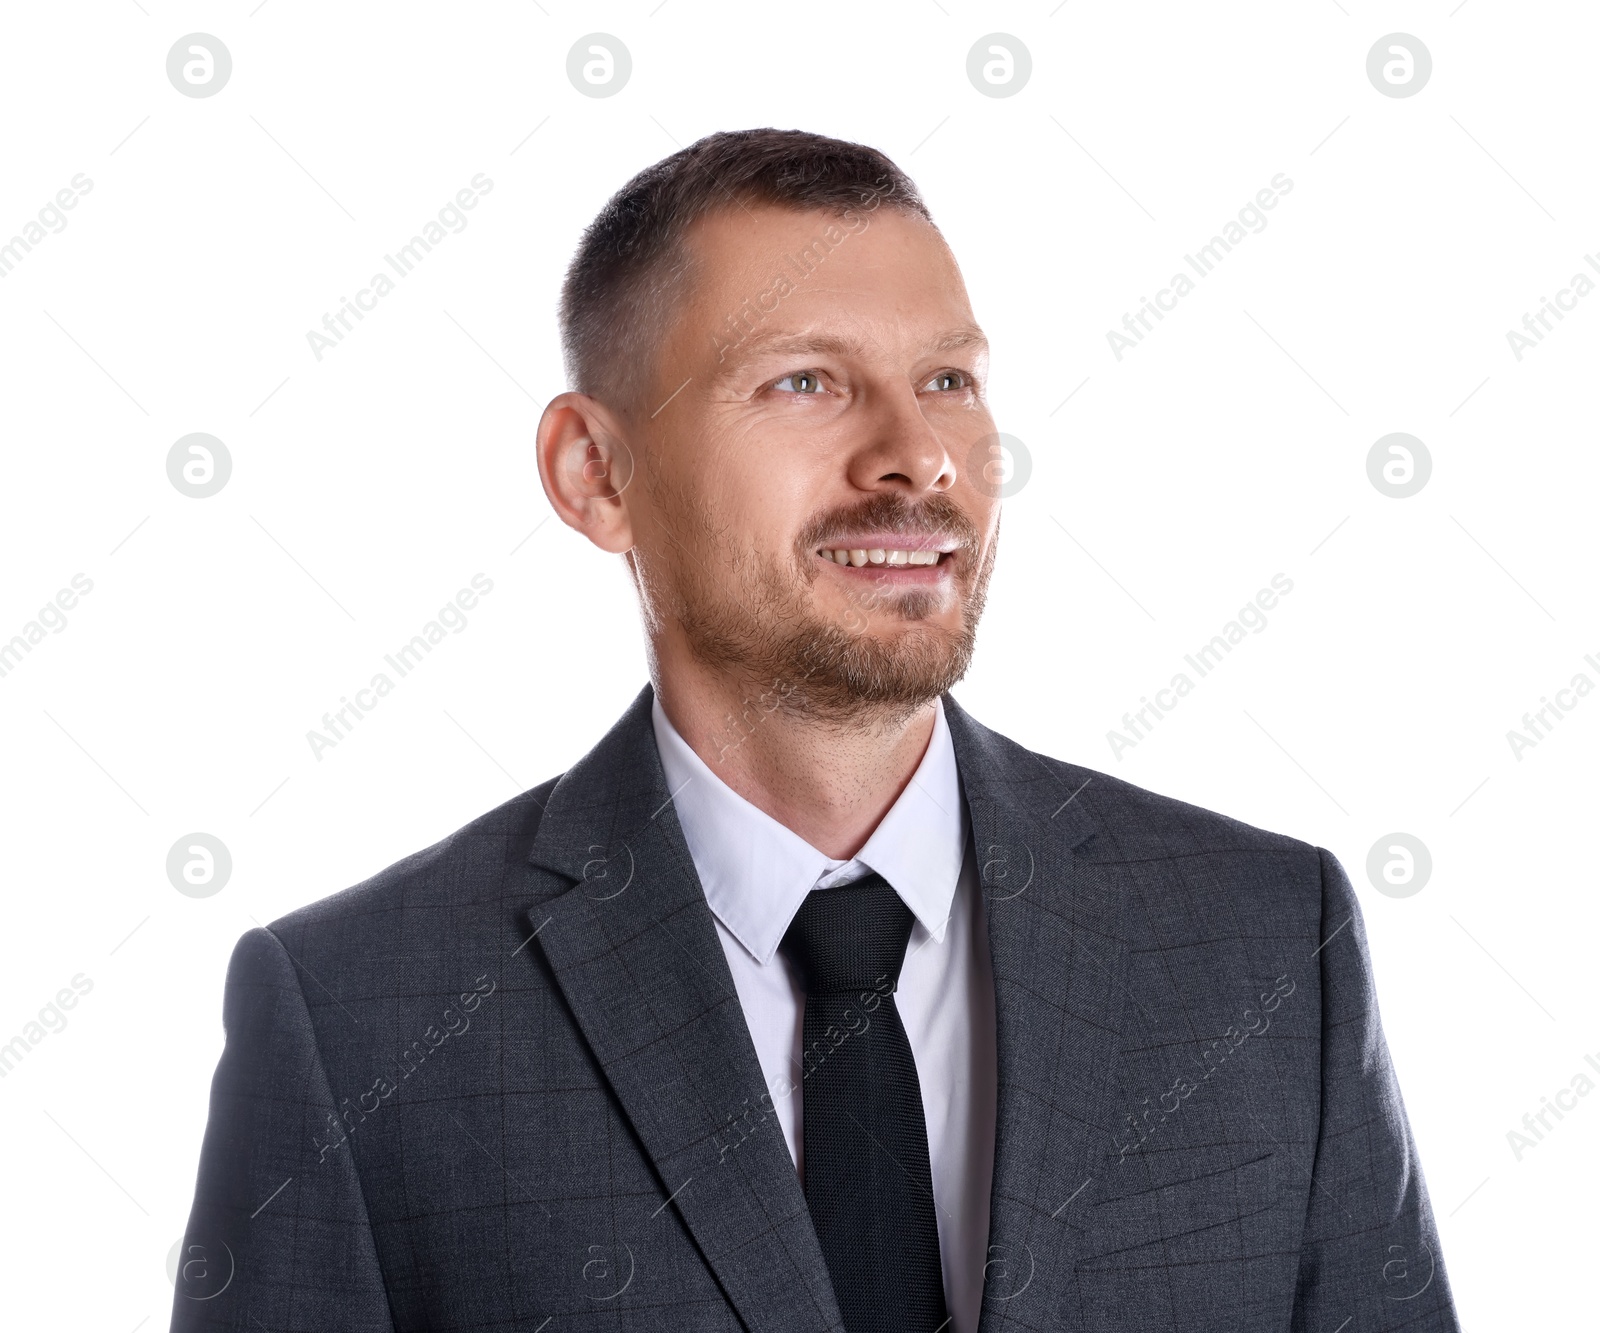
(1369, 1253)
(278, 1237)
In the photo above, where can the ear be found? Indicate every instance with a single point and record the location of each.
(585, 466)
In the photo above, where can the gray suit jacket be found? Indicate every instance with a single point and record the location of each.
(507, 1084)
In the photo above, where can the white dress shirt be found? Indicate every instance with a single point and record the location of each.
(756, 873)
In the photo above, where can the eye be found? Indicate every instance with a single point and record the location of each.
(802, 381)
(946, 380)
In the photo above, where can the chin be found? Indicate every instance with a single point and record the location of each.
(845, 676)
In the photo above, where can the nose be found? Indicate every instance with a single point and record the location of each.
(901, 451)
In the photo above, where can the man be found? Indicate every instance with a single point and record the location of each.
(804, 1001)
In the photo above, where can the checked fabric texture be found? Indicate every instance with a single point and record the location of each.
(506, 1084)
(868, 1183)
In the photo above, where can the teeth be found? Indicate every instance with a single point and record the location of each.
(857, 557)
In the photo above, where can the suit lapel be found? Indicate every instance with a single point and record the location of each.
(635, 951)
(1060, 965)
(634, 948)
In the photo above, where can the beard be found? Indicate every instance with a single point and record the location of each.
(751, 616)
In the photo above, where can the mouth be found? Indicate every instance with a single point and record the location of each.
(885, 556)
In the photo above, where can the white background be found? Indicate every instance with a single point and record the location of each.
(368, 487)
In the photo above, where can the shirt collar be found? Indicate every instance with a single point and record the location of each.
(756, 872)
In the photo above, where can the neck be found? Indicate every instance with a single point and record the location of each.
(829, 782)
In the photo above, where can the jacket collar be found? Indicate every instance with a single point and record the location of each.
(756, 872)
(633, 947)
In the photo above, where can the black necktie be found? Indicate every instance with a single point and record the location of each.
(867, 1179)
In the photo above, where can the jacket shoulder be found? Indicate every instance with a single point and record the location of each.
(1133, 823)
(465, 867)
(1182, 862)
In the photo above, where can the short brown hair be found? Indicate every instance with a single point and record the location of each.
(632, 259)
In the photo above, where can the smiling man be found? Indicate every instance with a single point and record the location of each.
(804, 1001)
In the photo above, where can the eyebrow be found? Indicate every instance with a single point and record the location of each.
(772, 342)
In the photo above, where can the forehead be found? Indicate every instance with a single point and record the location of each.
(880, 272)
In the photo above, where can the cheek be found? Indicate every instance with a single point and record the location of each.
(760, 499)
(719, 513)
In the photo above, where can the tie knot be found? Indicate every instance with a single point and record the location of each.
(849, 938)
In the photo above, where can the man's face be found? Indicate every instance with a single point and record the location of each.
(810, 513)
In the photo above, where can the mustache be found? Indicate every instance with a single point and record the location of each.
(888, 511)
